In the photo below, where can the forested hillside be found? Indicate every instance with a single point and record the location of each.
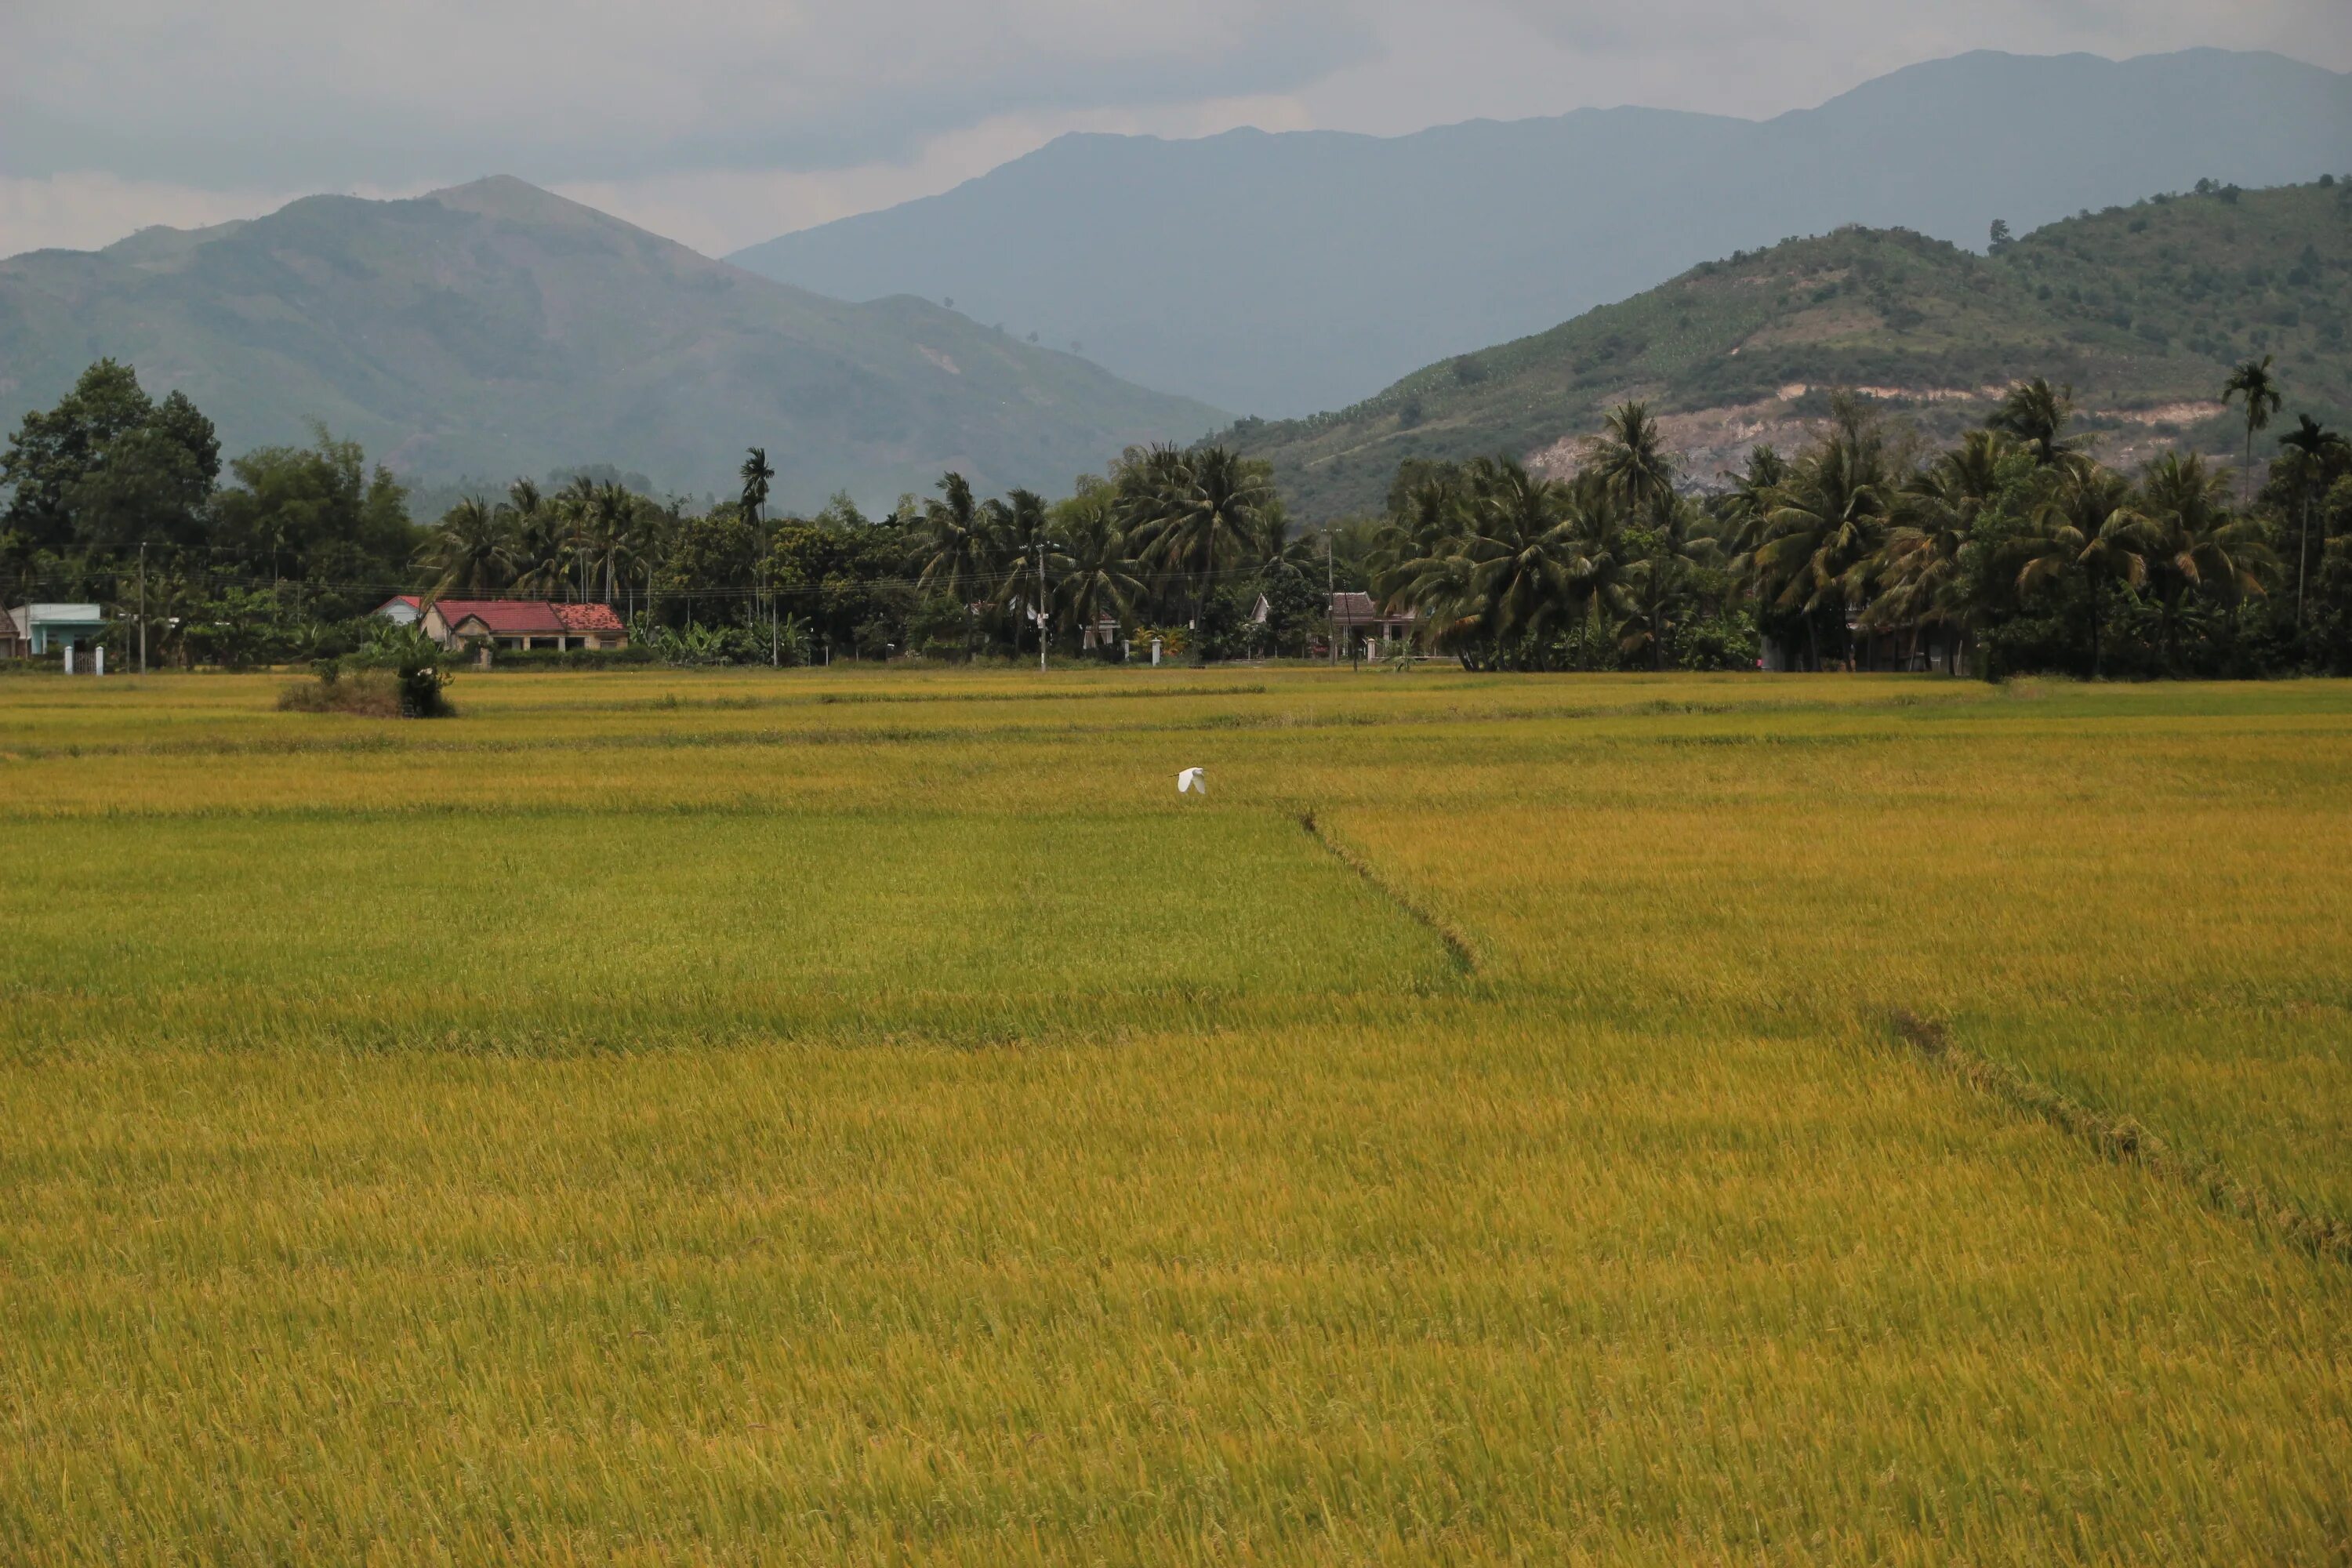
(2142, 309)
(1281, 273)
(497, 329)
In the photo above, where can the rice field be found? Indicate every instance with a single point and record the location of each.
(867, 1116)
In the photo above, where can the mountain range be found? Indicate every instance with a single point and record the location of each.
(2140, 310)
(1279, 274)
(495, 329)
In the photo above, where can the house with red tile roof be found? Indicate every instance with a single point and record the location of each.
(522, 624)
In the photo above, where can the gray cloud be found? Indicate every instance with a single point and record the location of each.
(724, 121)
(246, 92)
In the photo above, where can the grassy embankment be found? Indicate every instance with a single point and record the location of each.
(871, 1116)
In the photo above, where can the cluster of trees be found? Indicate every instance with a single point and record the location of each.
(1509, 569)
(117, 497)
(1180, 544)
(2014, 550)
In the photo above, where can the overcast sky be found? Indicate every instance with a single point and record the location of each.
(721, 122)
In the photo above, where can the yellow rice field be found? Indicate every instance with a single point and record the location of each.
(868, 1116)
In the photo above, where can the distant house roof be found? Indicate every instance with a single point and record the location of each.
(411, 600)
(503, 617)
(25, 617)
(588, 618)
(1358, 610)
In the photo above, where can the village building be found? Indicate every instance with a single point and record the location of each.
(1355, 615)
(519, 625)
(401, 609)
(32, 630)
(1353, 618)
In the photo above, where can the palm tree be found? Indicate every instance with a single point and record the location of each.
(962, 561)
(1604, 550)
(1422, 558)
(472, 551)
(1754, 492)
(615, 540)
(544, 533)
(1631, 458)
(2089, 531)
(2254, 384)
(2311, 444)
(1819, 542)
(2037, 413)
(755, 474)
(2196, 546)
(1656, 585)
(1923, 582)
(1102, 580)
(1017, 523)
(1213, 511)
(1524, 553)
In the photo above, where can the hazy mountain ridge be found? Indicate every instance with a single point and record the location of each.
(2142, 309)
(494, 328)
(1282, 273)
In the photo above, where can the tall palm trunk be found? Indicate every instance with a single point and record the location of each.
(2094, 628)
(2301, 553)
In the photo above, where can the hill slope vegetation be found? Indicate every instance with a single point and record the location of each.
(2142, 309)
(1276, 275)
(495, 329)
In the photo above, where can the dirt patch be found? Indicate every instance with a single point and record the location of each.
(2164, 414)
(1710, 443)
(1797, 389)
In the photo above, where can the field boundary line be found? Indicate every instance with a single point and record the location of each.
(1457, 946)
(2124, 1141)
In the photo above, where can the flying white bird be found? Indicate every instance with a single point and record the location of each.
(1192, 781)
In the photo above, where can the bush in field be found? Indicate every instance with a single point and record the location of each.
(404, 656)
(369, 693)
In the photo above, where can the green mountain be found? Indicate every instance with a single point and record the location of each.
(1277, 274)
(495, 329)
(2141, 309)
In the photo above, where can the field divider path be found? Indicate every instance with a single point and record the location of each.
(2124, 1141)
(1457, 945)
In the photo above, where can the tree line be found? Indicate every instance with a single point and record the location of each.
(1186, 544)
(2013, 548)
(282, 556)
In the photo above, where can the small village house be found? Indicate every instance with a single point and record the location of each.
(1355, 617)
(32, 630)
(518, 624)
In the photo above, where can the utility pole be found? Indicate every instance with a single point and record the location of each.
(142, 607)
(1041, 606)
(1330, 600)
